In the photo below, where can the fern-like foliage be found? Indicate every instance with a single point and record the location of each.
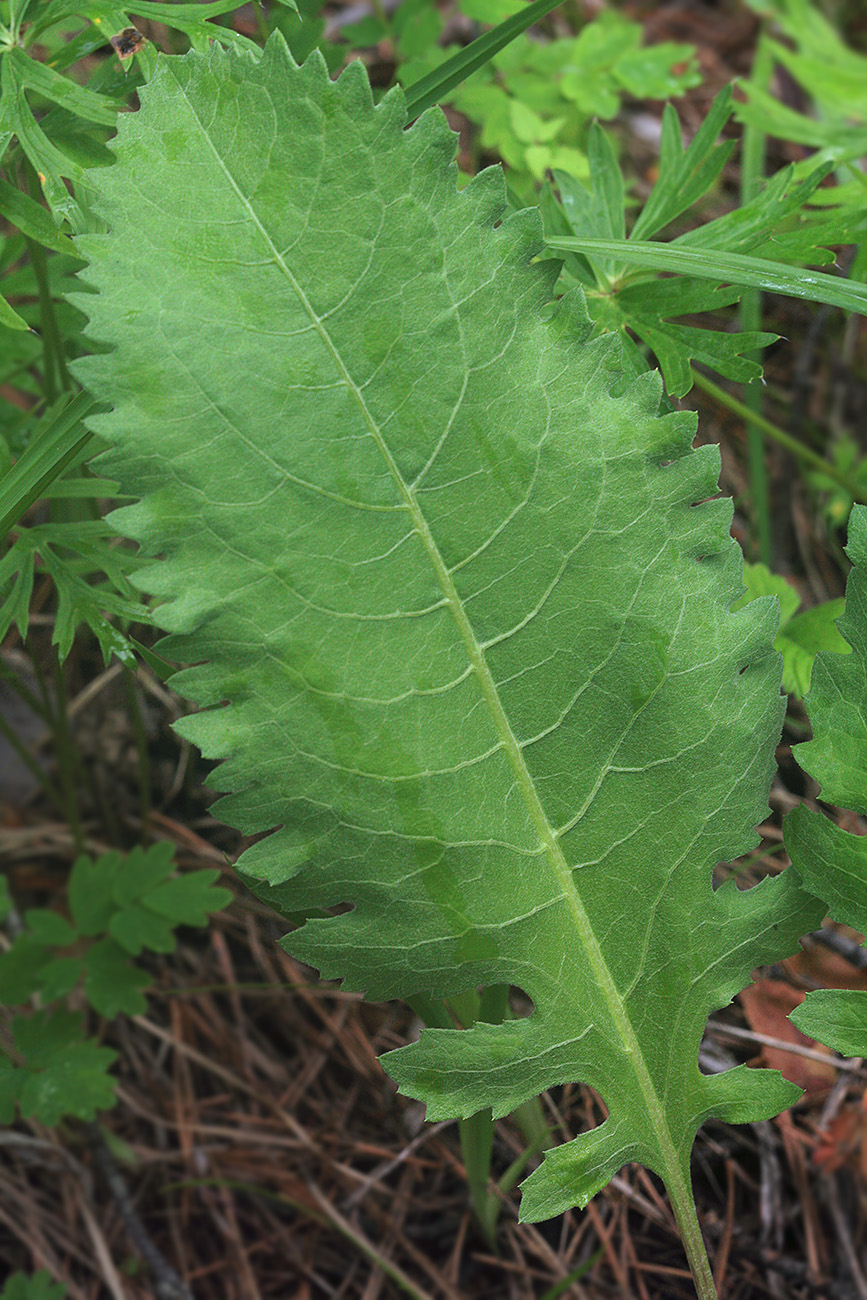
(780, 225)
(463, 597)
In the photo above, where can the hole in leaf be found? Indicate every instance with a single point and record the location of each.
(490, 1005)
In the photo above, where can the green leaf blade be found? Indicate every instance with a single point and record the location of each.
(436, 85)
(32, 219)
(837, 754)
(9, 317)
(831, 861)
(63, 1073)
(732, 268)
(38, 1287)
(62, 90)
(685, 174)
(837, 1017)
(473, 632)
(189, 899)
(114, 986)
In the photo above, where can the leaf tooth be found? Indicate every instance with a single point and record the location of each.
(572, 1174)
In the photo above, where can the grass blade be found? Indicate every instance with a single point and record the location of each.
(728, 268)
(44, 460)
(436, 85)
(10, 318)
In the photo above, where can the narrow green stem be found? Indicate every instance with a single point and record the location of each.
(750, 318)
(39, 706)
(141, 744)
(261, 21)
(57, 378)
(67, 758)
(683, 1206)
(382, 14)
(53, 364)
(798, 449)
(477, 1143)
(33, 767)
(476, 1131)
(760, 500)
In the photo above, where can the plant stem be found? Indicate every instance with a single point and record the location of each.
(57, 377)
(750, 318)
(34, 768)
(798, 449)
(67, 757)
(53, 364)
(141, 745)
(36, 704)
(477, 1144)
(683, 1206)
(382, 14)
(261, 20)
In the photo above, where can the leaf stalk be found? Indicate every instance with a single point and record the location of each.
(798, 449)
(683, 1208)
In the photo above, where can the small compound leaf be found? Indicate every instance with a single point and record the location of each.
(685, 174)
(132, 898)
(59, 977)
(142, 871)
(62, 1074)
(760, 581)
(112, 984)
(621, 299)
(801, 636)
(39, 1286)
(188, 899)
(49, 928)
(21, 970)
(91, 885)
(136, 927)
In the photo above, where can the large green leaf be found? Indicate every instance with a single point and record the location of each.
(833, 863)
(450, 574)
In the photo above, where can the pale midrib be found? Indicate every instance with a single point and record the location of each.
(510, 745)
